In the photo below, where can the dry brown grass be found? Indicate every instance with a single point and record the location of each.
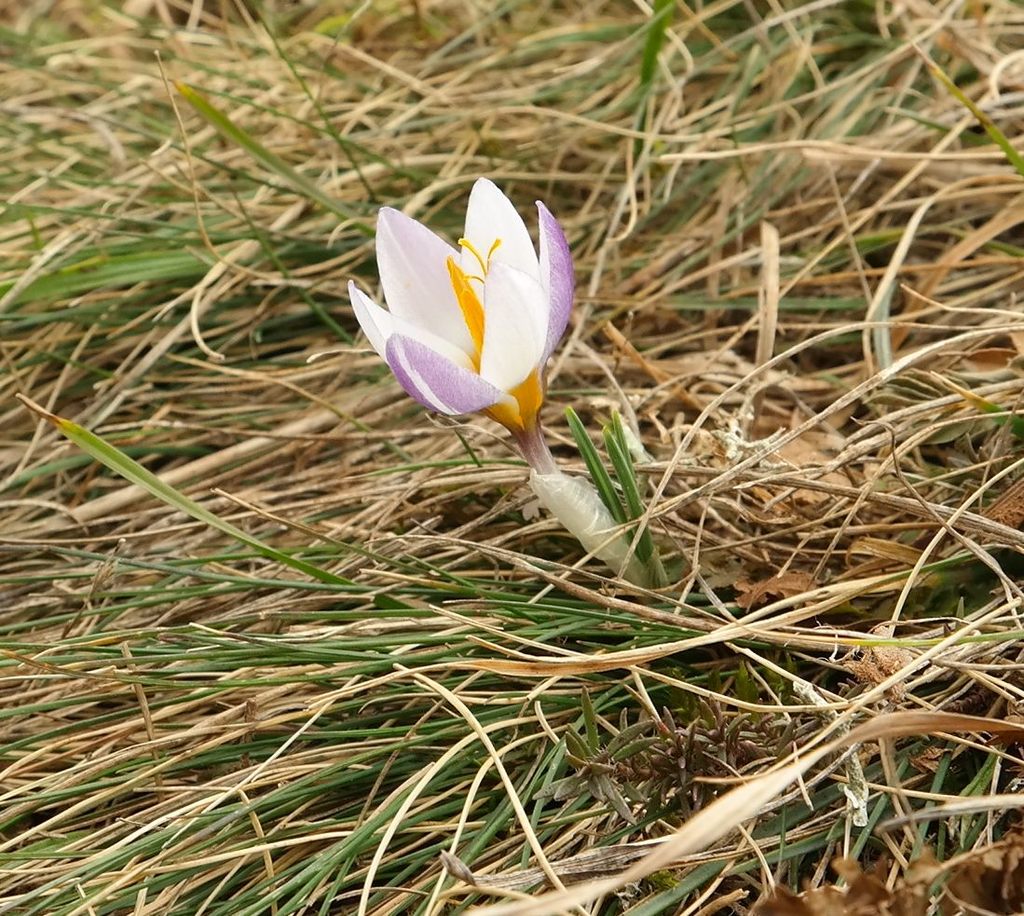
(800, 265)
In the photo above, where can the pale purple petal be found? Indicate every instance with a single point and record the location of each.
(515, 326)
(556, 275)
(437, 383)
(378, 325)
(412, 263)
(490, 217)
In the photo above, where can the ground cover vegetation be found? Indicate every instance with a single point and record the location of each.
(273, 639)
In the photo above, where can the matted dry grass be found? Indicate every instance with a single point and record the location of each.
(800, 263)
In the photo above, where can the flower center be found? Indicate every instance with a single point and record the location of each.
(528, 395)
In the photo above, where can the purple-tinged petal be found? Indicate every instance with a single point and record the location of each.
(515, 326)
(412, 262)
(437, 383)
(378, 325)
(491, 217)
(557, 276)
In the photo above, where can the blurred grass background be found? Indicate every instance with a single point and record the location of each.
(799, 262)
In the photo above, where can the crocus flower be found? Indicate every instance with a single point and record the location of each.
(469, 329)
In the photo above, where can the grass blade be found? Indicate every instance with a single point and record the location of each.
(618, 453)
(135, 473)
(990, 127)
(655, 39)
(231, 131)
(986, 406)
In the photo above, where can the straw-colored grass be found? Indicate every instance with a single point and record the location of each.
(800, 263)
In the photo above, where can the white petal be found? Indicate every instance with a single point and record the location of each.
(378, 325)
(489, 218)
(375, 322)
(412, 262)
(515, 326)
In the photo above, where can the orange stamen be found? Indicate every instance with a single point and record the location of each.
(469, 303)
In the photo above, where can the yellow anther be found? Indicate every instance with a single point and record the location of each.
(494, 248)
(484, 263)
(471, 248)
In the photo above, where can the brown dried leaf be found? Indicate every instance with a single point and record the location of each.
(928, 760)
(1009, 508)
(809, 452)
(751, 594)
(990, 879)
(821, 901)
(990, 359)
(886, 549)
(865, 893)
(878, 663)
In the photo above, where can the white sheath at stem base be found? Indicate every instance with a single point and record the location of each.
(577, 505)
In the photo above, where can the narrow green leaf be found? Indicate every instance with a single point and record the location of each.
(135, 473)
(986, 406)
(618, 452)
(1013, 156)
(575, 745)
(746, 689)
(634, 748)
(231, 131)
(110, 271)
(656, 28)
(603, 482)
(590, 722)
